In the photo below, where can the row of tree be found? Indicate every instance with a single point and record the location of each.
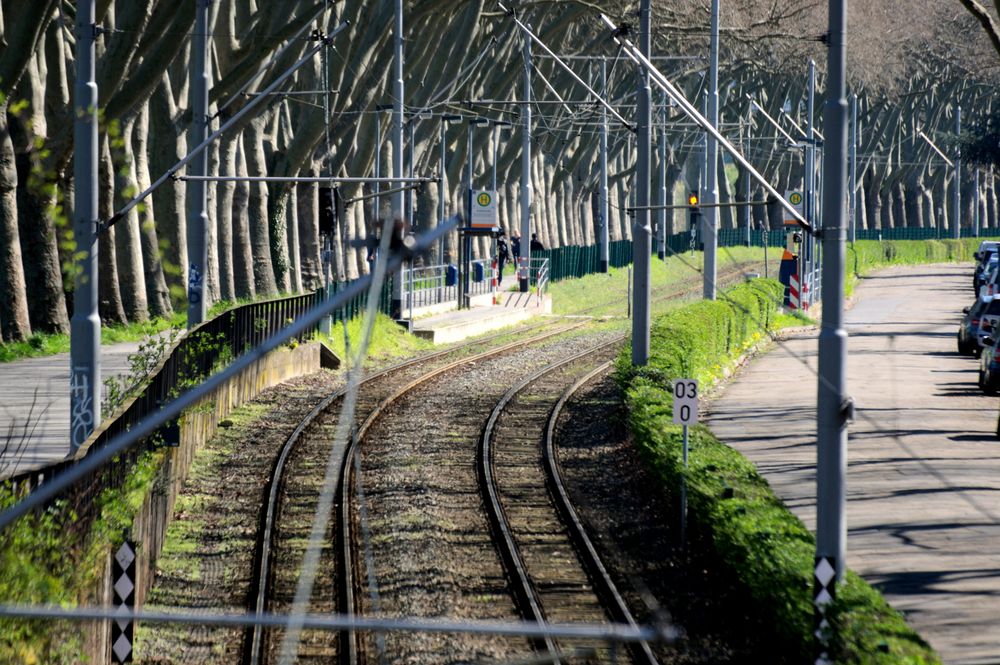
(264, 238)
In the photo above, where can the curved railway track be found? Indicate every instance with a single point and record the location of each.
(555, 572)
(297, 494)
(337, 586)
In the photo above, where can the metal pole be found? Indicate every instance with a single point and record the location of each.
(398, 202)
(746, 193)
(641, 241)
(711, 215)
(197, 194)
(684, 507)
(378, 164)
(852, 192)
(603, 207)
(442, 193)
(975, 199)
(809, 184)
(956, 229)
(661, 216)
(833, 407)
(526, 192)
(410, 202)
(493, 138)
(85, 326)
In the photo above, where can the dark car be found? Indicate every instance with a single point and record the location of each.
(968, 329)
(989, 367)
(984, 269)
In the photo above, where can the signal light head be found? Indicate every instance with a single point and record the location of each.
(693, 199)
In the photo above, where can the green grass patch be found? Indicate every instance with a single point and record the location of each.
(609, 291)
(734, 516)
(43, 344)
(388, 342)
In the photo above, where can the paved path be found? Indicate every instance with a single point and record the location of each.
(923, 476)
(34, 407)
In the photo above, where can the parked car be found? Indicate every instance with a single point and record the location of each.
(989, 366)
(989, 322)
(968, 329)
(983, 271)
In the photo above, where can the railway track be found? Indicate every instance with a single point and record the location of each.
(555, 572)
(293, 490)
(292, 497)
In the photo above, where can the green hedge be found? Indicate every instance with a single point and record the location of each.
(732, 510)
(866, 255)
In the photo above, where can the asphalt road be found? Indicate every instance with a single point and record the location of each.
(923, 479)
(34, 407)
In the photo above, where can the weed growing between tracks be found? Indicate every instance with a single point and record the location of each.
(732, 512)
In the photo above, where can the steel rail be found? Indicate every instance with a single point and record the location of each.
(346, 597)
(606, 589)
(266, 541)
(526, 595)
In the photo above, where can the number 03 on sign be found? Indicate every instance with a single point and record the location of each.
(685, 401)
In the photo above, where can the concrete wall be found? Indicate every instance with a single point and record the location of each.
(197, 427)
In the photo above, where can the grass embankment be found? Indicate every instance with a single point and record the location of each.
(734, 516)
(574, 295)
(388, 341)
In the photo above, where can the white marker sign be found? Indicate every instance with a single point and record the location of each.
(685, 401)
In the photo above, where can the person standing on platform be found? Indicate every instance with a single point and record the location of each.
(503, 256)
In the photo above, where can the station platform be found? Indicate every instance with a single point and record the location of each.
(483, 316)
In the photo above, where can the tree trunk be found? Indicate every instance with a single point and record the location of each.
(14, 323)
(224, 218)
(243, 259)
(157, 291)
(128, 245)
(168, 145)
(212, 287)
(109, 297)
(260, 237)
(36, 201)
(307, 203)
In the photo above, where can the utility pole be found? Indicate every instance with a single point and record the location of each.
(525, 267)
(975, 201)
(641, 241)
(834, 407)
(809, 241)
(956, 197)
(711, 212)
(398, 200)
(852, 192)
(197, 194)
(603, 206)
(85, 326)
(662, 201)
(746, 184)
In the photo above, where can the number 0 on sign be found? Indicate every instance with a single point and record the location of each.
(685, 401)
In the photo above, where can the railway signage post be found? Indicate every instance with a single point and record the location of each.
(685, 413)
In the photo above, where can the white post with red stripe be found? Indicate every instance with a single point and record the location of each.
(794, 301)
